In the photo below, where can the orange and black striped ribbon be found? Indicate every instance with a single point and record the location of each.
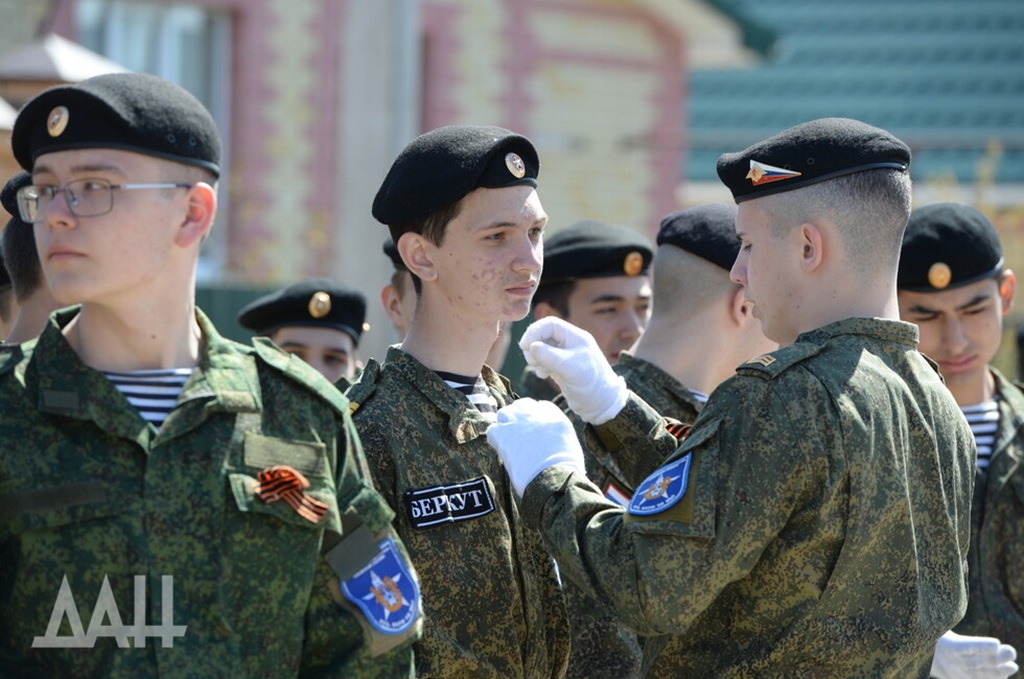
(285, 483)
(678, 429)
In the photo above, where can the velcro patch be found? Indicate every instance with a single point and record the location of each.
(427, 507)
(662, 489)
(385, 591)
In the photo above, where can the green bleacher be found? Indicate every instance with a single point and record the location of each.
(947, 76)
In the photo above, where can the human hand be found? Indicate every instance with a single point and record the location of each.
(962, 657)
(531, 436)
(571, 357)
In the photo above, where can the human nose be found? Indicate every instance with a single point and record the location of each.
(738, 272)
(953, 336)
(59, 207)
(530, 256)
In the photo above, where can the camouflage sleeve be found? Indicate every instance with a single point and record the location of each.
(635, 442)
(666, 558)
(384, 642)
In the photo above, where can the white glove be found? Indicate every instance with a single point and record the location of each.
(961, 657)
(531, 436)
(571, 357)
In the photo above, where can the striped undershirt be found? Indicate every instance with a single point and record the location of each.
(475, 390)
(699, 396)
(984, 421)
(152, 392)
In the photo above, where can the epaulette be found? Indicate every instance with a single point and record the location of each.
(363, 388)
(298, 370)
(767, 366)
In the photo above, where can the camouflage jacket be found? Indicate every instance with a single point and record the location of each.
(601, 644)
(996, 604)
(163, 528)
(815, 522)
(531, 385)
(491, 598)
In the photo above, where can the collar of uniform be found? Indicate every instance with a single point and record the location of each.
(1006, 458)
(225, 373)
(639, 371)
(69, 387)
(464, 421)
(878, 328)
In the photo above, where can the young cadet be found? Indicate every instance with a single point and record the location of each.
(210, 498)
(318, 320)
(815, 520)
(462, 206)
(595, 277)
(35, 303)
(953, 284)
(700, 329)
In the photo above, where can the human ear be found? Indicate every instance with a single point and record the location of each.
(811, 240)
(416, 252)
(201, 208)
(1007, 289)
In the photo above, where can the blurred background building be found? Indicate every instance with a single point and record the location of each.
(630, 102)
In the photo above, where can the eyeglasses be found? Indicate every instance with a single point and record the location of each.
(85, 197)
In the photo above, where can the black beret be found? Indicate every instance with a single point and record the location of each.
(9, 194)
(316, 303)
(391, 250)
(809, 153)
(947, 245)
(439, 167)
(127, 111)
(708, 231)
(592, 249)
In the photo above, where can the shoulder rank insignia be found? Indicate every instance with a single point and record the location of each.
(663, 488)
(764, 359)
(385, 591)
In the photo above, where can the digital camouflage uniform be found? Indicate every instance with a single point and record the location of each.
(603, 646)
(532, 385)
(491, 598)
(815, 522)
(91, 492)
(996, 604)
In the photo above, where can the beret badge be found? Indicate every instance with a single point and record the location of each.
(515, 165)
(939, 275)
(762, 173)
(319, 304)
(57, 121)
(633, 264)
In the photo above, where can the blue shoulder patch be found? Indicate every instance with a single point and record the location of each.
(385, 591)
(662, 489)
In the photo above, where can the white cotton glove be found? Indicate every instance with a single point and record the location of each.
(571, 357)
(531, 436)
(961, 657)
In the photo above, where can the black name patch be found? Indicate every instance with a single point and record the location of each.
(440, 504)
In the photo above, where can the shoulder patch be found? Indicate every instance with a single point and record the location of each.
(301, 372)
(386, 591)
(662, 489)
(771, 364)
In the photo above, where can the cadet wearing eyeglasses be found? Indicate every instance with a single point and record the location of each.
(198, 490)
